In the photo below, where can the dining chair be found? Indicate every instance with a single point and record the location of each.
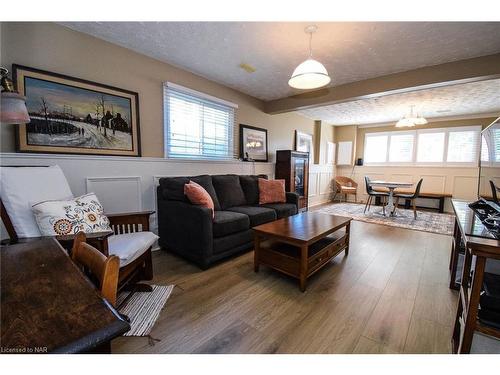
(372, 193)
(102, 271)
(412, 197)
(494, 190)
(345, 185)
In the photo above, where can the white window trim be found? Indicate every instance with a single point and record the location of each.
(414, 163)
(201, 95)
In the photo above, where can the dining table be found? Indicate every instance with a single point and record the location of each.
(49, 306)
(391, 186)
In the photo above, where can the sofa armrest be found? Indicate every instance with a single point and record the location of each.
(292, 197)
(186, 229)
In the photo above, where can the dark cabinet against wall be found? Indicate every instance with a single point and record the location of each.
(293, 167)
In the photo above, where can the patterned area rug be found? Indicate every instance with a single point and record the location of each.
(426, 221)
(143, 309)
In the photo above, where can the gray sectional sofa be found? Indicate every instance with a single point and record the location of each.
(190, 231)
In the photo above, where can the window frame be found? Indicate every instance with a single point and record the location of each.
(197, 95)
(476, 128)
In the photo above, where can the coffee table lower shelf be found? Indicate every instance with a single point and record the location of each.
(299, 261)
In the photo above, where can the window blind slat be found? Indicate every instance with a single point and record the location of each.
(196, 127)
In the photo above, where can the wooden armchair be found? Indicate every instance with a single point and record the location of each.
(345, 185)
(101, 268)
(129, 239)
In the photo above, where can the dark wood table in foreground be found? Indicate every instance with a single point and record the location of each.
(49, 306)
(302, 244)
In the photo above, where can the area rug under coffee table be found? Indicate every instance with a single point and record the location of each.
(426, 221)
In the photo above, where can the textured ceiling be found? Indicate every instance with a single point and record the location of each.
(350, 51)
(463, 99)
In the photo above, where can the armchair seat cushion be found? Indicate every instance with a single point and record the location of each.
(258, 215)
(348, 189)
(130, 246)
(282, 209)
(227, 222)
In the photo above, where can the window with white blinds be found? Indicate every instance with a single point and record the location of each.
(376, 148)
(197, 126)
(490, 147)
(463, 146)
(430, 146)
(401, 148)
(447, 146)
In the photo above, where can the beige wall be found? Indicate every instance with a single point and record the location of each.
(55, 48)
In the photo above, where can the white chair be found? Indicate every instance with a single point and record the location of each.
(21, 187)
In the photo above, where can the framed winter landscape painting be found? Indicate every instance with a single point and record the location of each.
(71, 115)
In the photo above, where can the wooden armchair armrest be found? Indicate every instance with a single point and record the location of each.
(130, 221)
(98, 236)
(98, 239)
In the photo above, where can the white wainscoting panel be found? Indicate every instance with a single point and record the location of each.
(117, 194)
(433, 183)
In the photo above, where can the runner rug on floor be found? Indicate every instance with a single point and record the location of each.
(143, 308)
(426, 221)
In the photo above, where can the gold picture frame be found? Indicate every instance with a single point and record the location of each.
(74, 116)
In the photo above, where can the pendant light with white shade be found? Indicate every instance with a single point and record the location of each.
(310, 74)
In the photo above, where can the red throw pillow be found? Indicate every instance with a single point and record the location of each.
(199, 196)
(271, 191)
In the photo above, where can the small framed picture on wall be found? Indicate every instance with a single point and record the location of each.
(253, 143)
(304, 143)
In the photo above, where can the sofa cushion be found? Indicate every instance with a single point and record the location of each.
(199, 196)
(233, 241)
(257, 215)
(271, 191)
(229, 191)
(227, 222)
(250, 186)
(282, 209)
(130, 246)
(172, 188)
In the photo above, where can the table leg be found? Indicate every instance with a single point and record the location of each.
(348, 235)
(256, 252)
(303, 267)
(390, 203)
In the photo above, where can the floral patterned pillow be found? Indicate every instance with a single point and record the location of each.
(84, 213)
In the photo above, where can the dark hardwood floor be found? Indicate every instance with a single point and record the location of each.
(389, 295)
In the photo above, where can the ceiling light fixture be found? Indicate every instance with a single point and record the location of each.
(411, 120)
(311, 74)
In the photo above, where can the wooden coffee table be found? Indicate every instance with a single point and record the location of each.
(302, 244)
